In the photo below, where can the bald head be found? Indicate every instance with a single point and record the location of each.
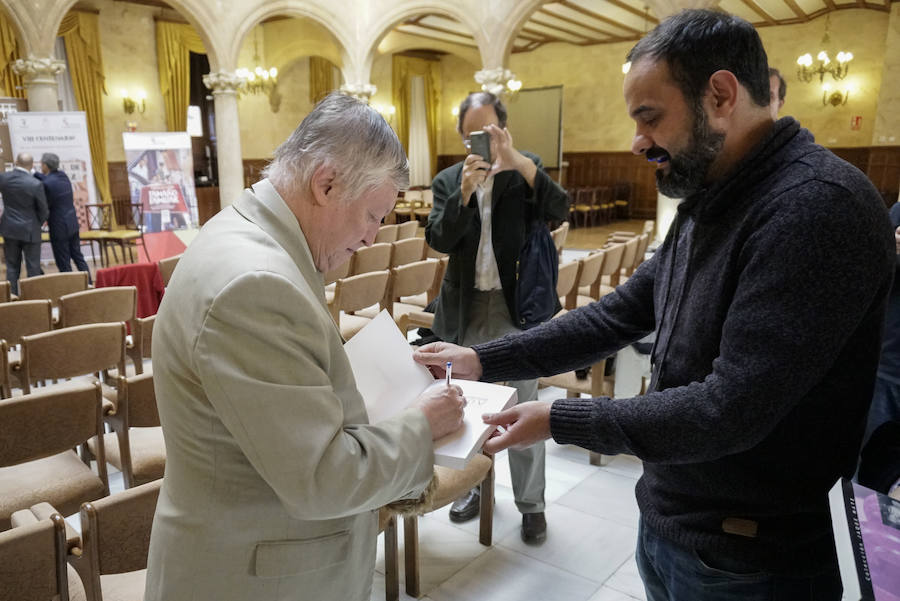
(24, 160)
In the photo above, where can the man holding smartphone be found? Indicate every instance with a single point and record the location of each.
(482, 207)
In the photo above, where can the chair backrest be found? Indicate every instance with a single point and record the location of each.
(413, 196)
(371, 258)
(71, 352)
(341, 271)
(5, 291)
(98, 216)
(100, 305)
(435, 289)
(412, 278)
(22, 318)
(568, 277)
(649, 226)
(430, 253)
(386, 233)
(53, 285)
(407, 250)
(559, 236)
(115, 533)
(167, 267)
(33, 561)
(141, 341)
(407, 229)
(591, 266)
(629, 254)
(137, 399)
(51, 421)
(613, 261)
(643, 243)
(585, 197)
(358, 292)
(5, 386)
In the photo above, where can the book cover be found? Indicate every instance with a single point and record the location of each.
(867, 539)
(389, 381)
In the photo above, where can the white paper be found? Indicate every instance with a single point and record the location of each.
(390, 381)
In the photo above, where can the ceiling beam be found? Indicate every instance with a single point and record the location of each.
(578, 34)
(758, 10)
(452, 32)
(600, 18)
(623, 6)
(543, 37)
(797, 10)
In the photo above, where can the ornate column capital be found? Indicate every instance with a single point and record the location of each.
(38, 70)
(494, 80)
(224, 82)
(363, 91)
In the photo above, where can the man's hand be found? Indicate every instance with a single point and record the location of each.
(525, 425)
(434, 356)
(443, 408)
(474, 172)
(507, 157)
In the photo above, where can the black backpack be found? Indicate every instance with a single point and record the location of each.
(537, 271)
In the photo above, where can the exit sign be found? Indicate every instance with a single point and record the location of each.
(855, 123)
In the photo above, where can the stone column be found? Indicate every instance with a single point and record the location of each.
(363, 91)
(494, 80)
(225, 86)
(39, 75)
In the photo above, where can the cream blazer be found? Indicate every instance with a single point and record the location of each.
(273, 473)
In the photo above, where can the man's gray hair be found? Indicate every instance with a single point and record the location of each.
(50, 160)
(347, 135)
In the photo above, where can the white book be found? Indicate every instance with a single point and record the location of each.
(390, 381)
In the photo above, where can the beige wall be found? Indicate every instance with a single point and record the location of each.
(887, 120)
(128, 44)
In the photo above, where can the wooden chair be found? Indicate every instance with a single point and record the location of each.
(37, 462)
(84, 350)
(585, 289)
(387, 523)
(422, 210)
(167, 268)
(371, 258)
(566, 283)
(559, 236)
(430, 253)
(386, 233)
(407, 229)
(422, 300)
(130, 232)
(452, 484)
(407, 250)
(135, 446)
(609, 273)
(99, 220)
(33, 560)
(16, 320)
(100, 305)
(141, 342)
(412, 199)
(605, 206)
(355, 293)
(622, 199)
(415, 319)
(52, 286)
(5, 291)
(585, 201)
(406, 280)
(115, 533)
(402, 209)
(5, 385)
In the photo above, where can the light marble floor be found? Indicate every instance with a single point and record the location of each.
(592, 519)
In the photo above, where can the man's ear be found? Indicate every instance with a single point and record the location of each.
(723, 92)
(322, 184)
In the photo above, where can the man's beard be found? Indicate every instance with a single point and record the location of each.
(688, 169)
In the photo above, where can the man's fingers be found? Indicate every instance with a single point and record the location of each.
(503, 418)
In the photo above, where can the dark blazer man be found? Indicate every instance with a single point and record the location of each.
(24, 210)
(63, 220)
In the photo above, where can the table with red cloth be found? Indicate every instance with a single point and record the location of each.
(144, 276)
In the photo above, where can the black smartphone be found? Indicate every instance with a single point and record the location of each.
(480, 144)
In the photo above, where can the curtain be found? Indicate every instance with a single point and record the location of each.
(64, 90)
(321, 78)
(82, 38)
(419, 147)
(404, 68)
(174, 43)
(9, 51)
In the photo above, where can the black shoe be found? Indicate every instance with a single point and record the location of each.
(534, 528)
(466, 507)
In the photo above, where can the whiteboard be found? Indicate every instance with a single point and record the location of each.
(535, 122)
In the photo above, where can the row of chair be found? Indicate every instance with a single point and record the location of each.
(382, 255)
(397, 231)
(99, 219)
(413, 205)
(599, 204)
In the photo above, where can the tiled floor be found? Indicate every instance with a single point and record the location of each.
(592, 521)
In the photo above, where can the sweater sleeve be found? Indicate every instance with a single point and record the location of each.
(802, 296)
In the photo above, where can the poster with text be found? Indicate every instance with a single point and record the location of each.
(64, 134)
(161, 179)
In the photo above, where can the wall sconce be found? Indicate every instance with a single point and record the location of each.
(130, 104)
(834, 97)
(455, 111)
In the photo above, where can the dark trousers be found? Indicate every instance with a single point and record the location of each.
(66, 250)
(673, 573)
(14, 249)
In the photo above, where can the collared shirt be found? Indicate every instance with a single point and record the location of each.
(21, 169)
(487, 276)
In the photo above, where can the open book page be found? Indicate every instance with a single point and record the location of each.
(390, 381)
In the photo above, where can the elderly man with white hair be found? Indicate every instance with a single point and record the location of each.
(274, 475)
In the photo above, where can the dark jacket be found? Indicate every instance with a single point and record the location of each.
(63, 220)
(24, 206)
(456, 230)
(768, 297)
(889, 367)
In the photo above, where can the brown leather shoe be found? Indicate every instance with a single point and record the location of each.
(466, 507)
(534, 528)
